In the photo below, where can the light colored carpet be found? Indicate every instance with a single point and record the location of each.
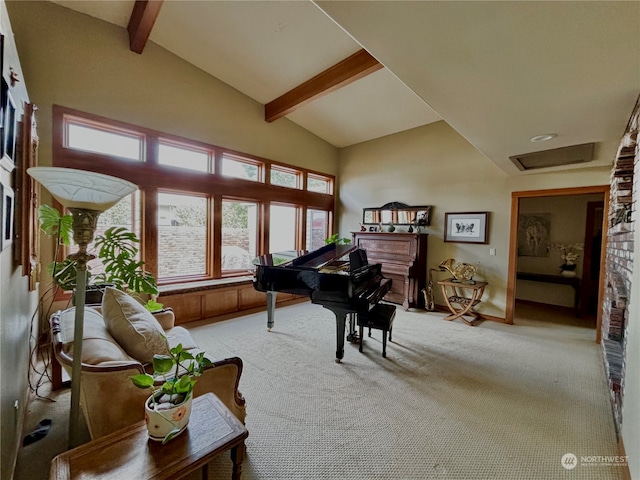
(449, 402)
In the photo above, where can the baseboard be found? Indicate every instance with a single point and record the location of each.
(492, 318)
(249, 311)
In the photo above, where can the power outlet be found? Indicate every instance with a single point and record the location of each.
(492, 251)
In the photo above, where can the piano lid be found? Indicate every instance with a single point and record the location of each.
(280, 258)
(303, 259)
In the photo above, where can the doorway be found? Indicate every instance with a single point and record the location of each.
(591, 265)
(513, 243)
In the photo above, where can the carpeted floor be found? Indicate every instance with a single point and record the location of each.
(449, 402)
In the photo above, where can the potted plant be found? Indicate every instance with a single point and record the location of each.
(569, 256)
(168, 408)
(116, 248)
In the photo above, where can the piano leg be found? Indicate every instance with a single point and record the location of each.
(340, 326)
(271, 309)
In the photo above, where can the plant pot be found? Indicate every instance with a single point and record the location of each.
(568, 273)
(163, 424)
(94, 294)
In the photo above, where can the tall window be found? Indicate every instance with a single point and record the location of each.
(182, 235)
(126, 214)
(282, 228)
(317, 228)
(239, 235)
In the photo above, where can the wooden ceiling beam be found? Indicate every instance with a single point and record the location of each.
(352, 68)
(143, 17)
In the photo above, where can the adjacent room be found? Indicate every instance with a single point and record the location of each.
(319, 239)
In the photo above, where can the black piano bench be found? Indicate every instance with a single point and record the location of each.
(379, 317)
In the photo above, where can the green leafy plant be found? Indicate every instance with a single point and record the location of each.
(335, 238)
(117, 249)
(179, 372)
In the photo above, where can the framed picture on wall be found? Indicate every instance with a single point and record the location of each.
(7, 217)
(468, 227)
(9, 128)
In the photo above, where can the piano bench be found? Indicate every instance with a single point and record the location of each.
(379, 317)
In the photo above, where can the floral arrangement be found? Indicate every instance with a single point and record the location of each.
(569, 254)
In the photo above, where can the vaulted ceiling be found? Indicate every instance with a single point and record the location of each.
(499, 73)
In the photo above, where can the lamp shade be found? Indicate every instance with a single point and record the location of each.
(81, 188)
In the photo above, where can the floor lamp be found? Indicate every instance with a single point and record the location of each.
(86, 195)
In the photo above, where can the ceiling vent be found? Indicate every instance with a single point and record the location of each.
(554, 158)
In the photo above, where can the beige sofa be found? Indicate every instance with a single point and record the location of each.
(108, 398)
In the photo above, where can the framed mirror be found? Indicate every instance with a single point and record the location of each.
(398, 214)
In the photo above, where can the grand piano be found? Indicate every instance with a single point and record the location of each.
(338, 277)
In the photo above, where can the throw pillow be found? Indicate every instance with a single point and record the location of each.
(133, 326)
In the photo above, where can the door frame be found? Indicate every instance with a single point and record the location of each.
(513, 242)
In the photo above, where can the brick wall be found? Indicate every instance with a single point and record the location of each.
(183, 250)
(619, 261)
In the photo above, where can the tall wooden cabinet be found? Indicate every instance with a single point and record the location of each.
(404, 259)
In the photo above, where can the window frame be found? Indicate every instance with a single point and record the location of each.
(169, 142)
(259, 164)
(287, 170)
(259, 215)
(152, 178)
(70, 119)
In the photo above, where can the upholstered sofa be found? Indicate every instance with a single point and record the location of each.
(108, 398)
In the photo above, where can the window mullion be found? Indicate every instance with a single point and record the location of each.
(215, 233)
(150, 230)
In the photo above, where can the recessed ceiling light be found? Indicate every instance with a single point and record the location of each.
(544, 137)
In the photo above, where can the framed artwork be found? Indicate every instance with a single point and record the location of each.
(9, 129)
(468, 227)
(7, 217)
(533, 234)
(398, 214)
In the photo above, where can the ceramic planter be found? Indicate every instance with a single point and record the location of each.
(162, 419)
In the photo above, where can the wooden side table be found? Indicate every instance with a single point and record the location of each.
(454, 294)
(129, 454)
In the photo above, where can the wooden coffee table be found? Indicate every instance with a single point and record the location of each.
(129, 454)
